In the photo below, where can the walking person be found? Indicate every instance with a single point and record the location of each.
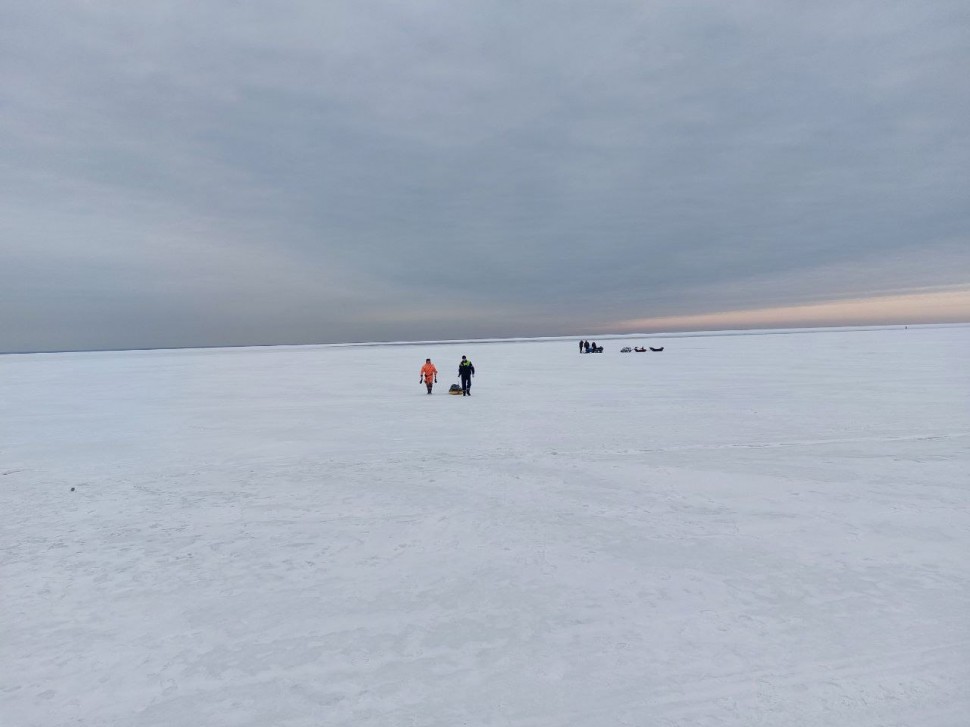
(466, 369)
(429, 374)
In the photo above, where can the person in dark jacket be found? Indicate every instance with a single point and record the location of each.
(465, 372)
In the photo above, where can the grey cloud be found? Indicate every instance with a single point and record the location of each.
(549, 162)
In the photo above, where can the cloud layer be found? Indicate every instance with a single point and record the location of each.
(215, 174)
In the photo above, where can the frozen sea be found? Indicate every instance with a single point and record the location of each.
(741, 530)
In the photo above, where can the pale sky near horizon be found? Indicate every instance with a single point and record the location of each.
(204, 174)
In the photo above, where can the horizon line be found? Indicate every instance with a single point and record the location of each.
(754, 330)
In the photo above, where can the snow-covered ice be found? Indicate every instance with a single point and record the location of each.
(741, 530)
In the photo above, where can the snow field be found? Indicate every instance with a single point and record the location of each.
(741, 530)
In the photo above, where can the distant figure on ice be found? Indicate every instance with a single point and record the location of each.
(581, 344)
(429, 374)
(585, 346)
(466, 369)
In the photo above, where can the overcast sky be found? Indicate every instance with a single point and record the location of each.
(224, 173)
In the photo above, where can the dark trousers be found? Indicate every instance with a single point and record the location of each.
(466, 385)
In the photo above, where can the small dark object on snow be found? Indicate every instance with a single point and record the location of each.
(656, 350)
(72, 489)
(454, 389)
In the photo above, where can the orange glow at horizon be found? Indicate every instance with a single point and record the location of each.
(951, 306)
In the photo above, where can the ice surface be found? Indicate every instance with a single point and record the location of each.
(741, 530)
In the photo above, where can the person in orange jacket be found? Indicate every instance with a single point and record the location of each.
(429, 374)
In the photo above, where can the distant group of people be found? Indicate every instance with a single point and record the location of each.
(466, 370)
(587, 347)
